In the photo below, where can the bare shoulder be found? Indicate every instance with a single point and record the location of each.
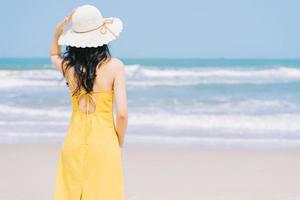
(116, 64)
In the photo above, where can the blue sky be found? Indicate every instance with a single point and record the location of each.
(164, 28)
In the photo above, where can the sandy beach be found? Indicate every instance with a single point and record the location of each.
(28, 171)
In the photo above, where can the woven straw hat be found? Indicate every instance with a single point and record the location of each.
(90, 29)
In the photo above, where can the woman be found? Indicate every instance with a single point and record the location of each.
(89, 165)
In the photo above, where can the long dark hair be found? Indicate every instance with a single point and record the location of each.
(85, 62)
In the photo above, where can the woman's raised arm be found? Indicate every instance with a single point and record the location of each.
(55, 51)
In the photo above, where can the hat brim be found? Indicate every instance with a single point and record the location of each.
(93, 38)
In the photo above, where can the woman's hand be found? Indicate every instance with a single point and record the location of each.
(61, 25)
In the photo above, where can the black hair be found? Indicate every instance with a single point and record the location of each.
(85, 62)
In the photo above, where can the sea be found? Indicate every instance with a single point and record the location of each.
(205, 103)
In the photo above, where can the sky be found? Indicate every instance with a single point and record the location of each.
(164, 28)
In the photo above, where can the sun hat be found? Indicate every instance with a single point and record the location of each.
(90, 29)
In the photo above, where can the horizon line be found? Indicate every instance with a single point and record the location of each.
(177, 58)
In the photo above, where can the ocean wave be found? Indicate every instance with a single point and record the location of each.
(35, 74)
(216, 105)
(279, 72)
(32, 123)
(26, 111)
(246, 106)
(145, 77)
(140, 76)
(173, 107)
(31, 134)
(35, 78)
(220, 123)
(213, 122)
(210, 142)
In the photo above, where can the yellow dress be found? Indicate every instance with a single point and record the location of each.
(89, 165)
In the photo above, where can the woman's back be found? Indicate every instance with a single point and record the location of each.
(101, 97)
(104, 75)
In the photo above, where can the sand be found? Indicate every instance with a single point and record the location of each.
(28, 172)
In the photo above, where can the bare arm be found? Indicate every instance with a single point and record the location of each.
(55, 51)
(121, 101)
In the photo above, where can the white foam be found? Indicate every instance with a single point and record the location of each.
(215, 122)
(32, 134)
(253, 106)
(131, 69)
(282, 72)
(221, 123)
(209, 142)
(26, 111)
(140, 76)
(36, 78)
(32, 123)
(149, 77)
